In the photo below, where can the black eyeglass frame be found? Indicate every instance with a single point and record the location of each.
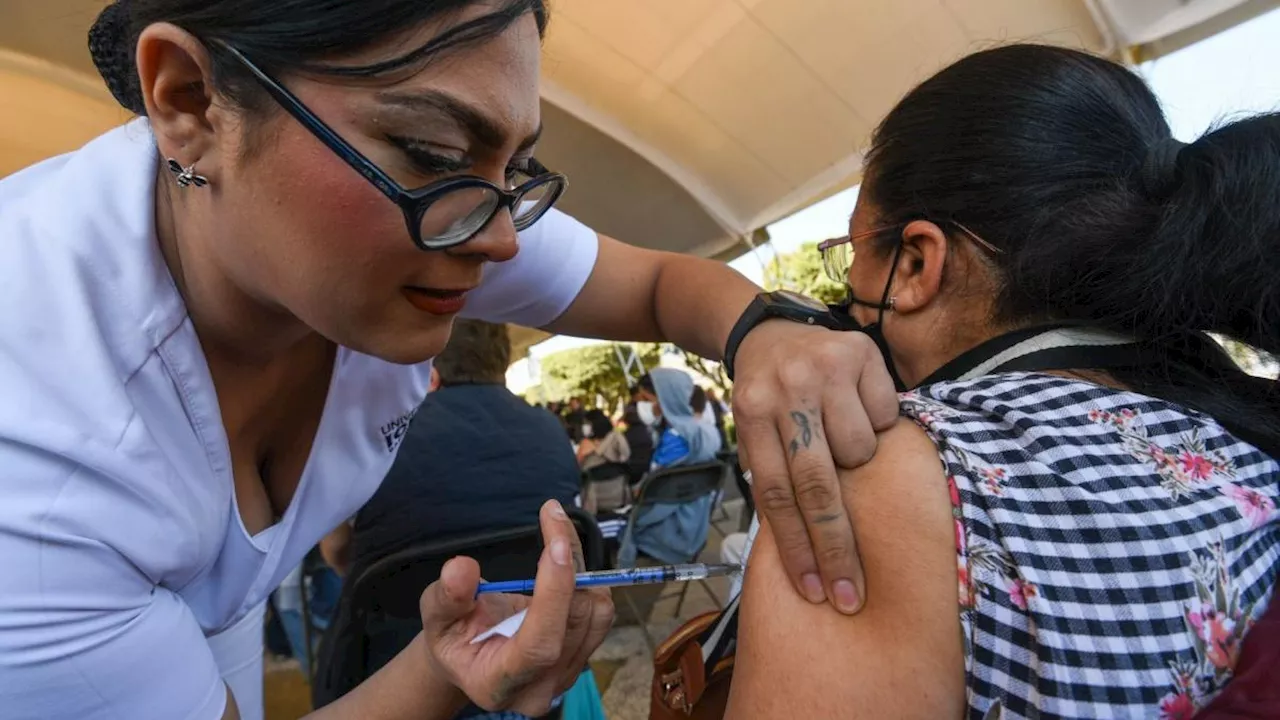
(835, 275)
(413, 203)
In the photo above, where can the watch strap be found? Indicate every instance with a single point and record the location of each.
(752, 316)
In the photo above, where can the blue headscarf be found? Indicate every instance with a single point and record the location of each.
(674, 388)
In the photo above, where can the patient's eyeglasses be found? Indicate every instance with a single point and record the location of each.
(837, 253)
(442, 214)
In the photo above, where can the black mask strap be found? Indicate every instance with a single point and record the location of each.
(884, 305)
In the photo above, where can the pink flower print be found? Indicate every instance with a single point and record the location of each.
(1196, 466)
(1096, 415)
(1253, 505)
(953, 491)
(1158, 456)
(964, 585)
(993, 480)
(1217, 631)
(1177, 706)
(1021, 591)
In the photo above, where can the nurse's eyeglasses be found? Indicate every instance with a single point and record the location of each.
(837, 253)
(442, 214)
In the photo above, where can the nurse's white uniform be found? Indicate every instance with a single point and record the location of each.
(129, 587)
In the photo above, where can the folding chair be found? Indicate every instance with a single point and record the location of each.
(674, 486)
(615, 473)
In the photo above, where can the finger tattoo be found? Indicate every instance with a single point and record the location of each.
(804, 433)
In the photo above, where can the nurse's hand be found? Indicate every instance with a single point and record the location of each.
(806, 400)
(563, 627)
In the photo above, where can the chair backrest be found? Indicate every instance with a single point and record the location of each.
(391, 587)
(680, 484)
(730, 458)
(393, 584)
(604, 471)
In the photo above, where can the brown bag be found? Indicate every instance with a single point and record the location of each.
(685, 686)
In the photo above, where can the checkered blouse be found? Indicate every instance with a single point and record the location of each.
(1112, 549)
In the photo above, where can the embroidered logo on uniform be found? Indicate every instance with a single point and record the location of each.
(393, 432)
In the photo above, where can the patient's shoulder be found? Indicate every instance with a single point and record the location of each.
(901, 656)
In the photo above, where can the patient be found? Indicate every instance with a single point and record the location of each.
(1087, 530)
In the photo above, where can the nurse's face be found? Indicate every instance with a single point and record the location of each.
(299, 229)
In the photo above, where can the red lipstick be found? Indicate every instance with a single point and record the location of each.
(436, 301)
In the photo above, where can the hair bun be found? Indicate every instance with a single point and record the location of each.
(1159, 174)
(113, 56)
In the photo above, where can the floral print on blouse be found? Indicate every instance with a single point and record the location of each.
(1112, 550)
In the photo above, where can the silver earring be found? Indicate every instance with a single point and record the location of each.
(186, 176)
(893, 302)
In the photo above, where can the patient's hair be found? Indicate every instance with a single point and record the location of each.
(1065, 162)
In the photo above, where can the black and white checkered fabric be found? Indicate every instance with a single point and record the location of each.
(1112, 548)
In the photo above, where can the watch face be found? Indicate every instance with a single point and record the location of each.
(802, 300)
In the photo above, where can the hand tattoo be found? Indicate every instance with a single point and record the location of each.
(804, 433)
(511, 685)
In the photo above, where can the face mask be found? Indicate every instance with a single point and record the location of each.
(875, 330)
(586, 431)
(644, 409)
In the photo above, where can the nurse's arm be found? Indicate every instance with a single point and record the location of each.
(643, 295)
(335, 548)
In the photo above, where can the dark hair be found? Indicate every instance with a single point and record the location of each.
(478, 353)
(599, 422)
(698, 400)
(645, 383)
(285, 36)
(1065, 162)
(630, 415)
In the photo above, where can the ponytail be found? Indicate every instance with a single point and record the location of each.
(1215, 250)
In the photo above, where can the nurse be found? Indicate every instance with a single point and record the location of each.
(217, 321)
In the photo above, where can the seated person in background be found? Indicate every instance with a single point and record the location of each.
(601, 443)
(1111, 527)
(666, 532)
(603, 454)
(640, 441)
(475, 457)
(574, 415)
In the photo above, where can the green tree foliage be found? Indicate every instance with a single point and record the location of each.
(590, 371)
(801, 271)
(709, 369)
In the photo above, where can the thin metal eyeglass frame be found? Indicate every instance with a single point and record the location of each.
(413, 203)
(826, 245)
